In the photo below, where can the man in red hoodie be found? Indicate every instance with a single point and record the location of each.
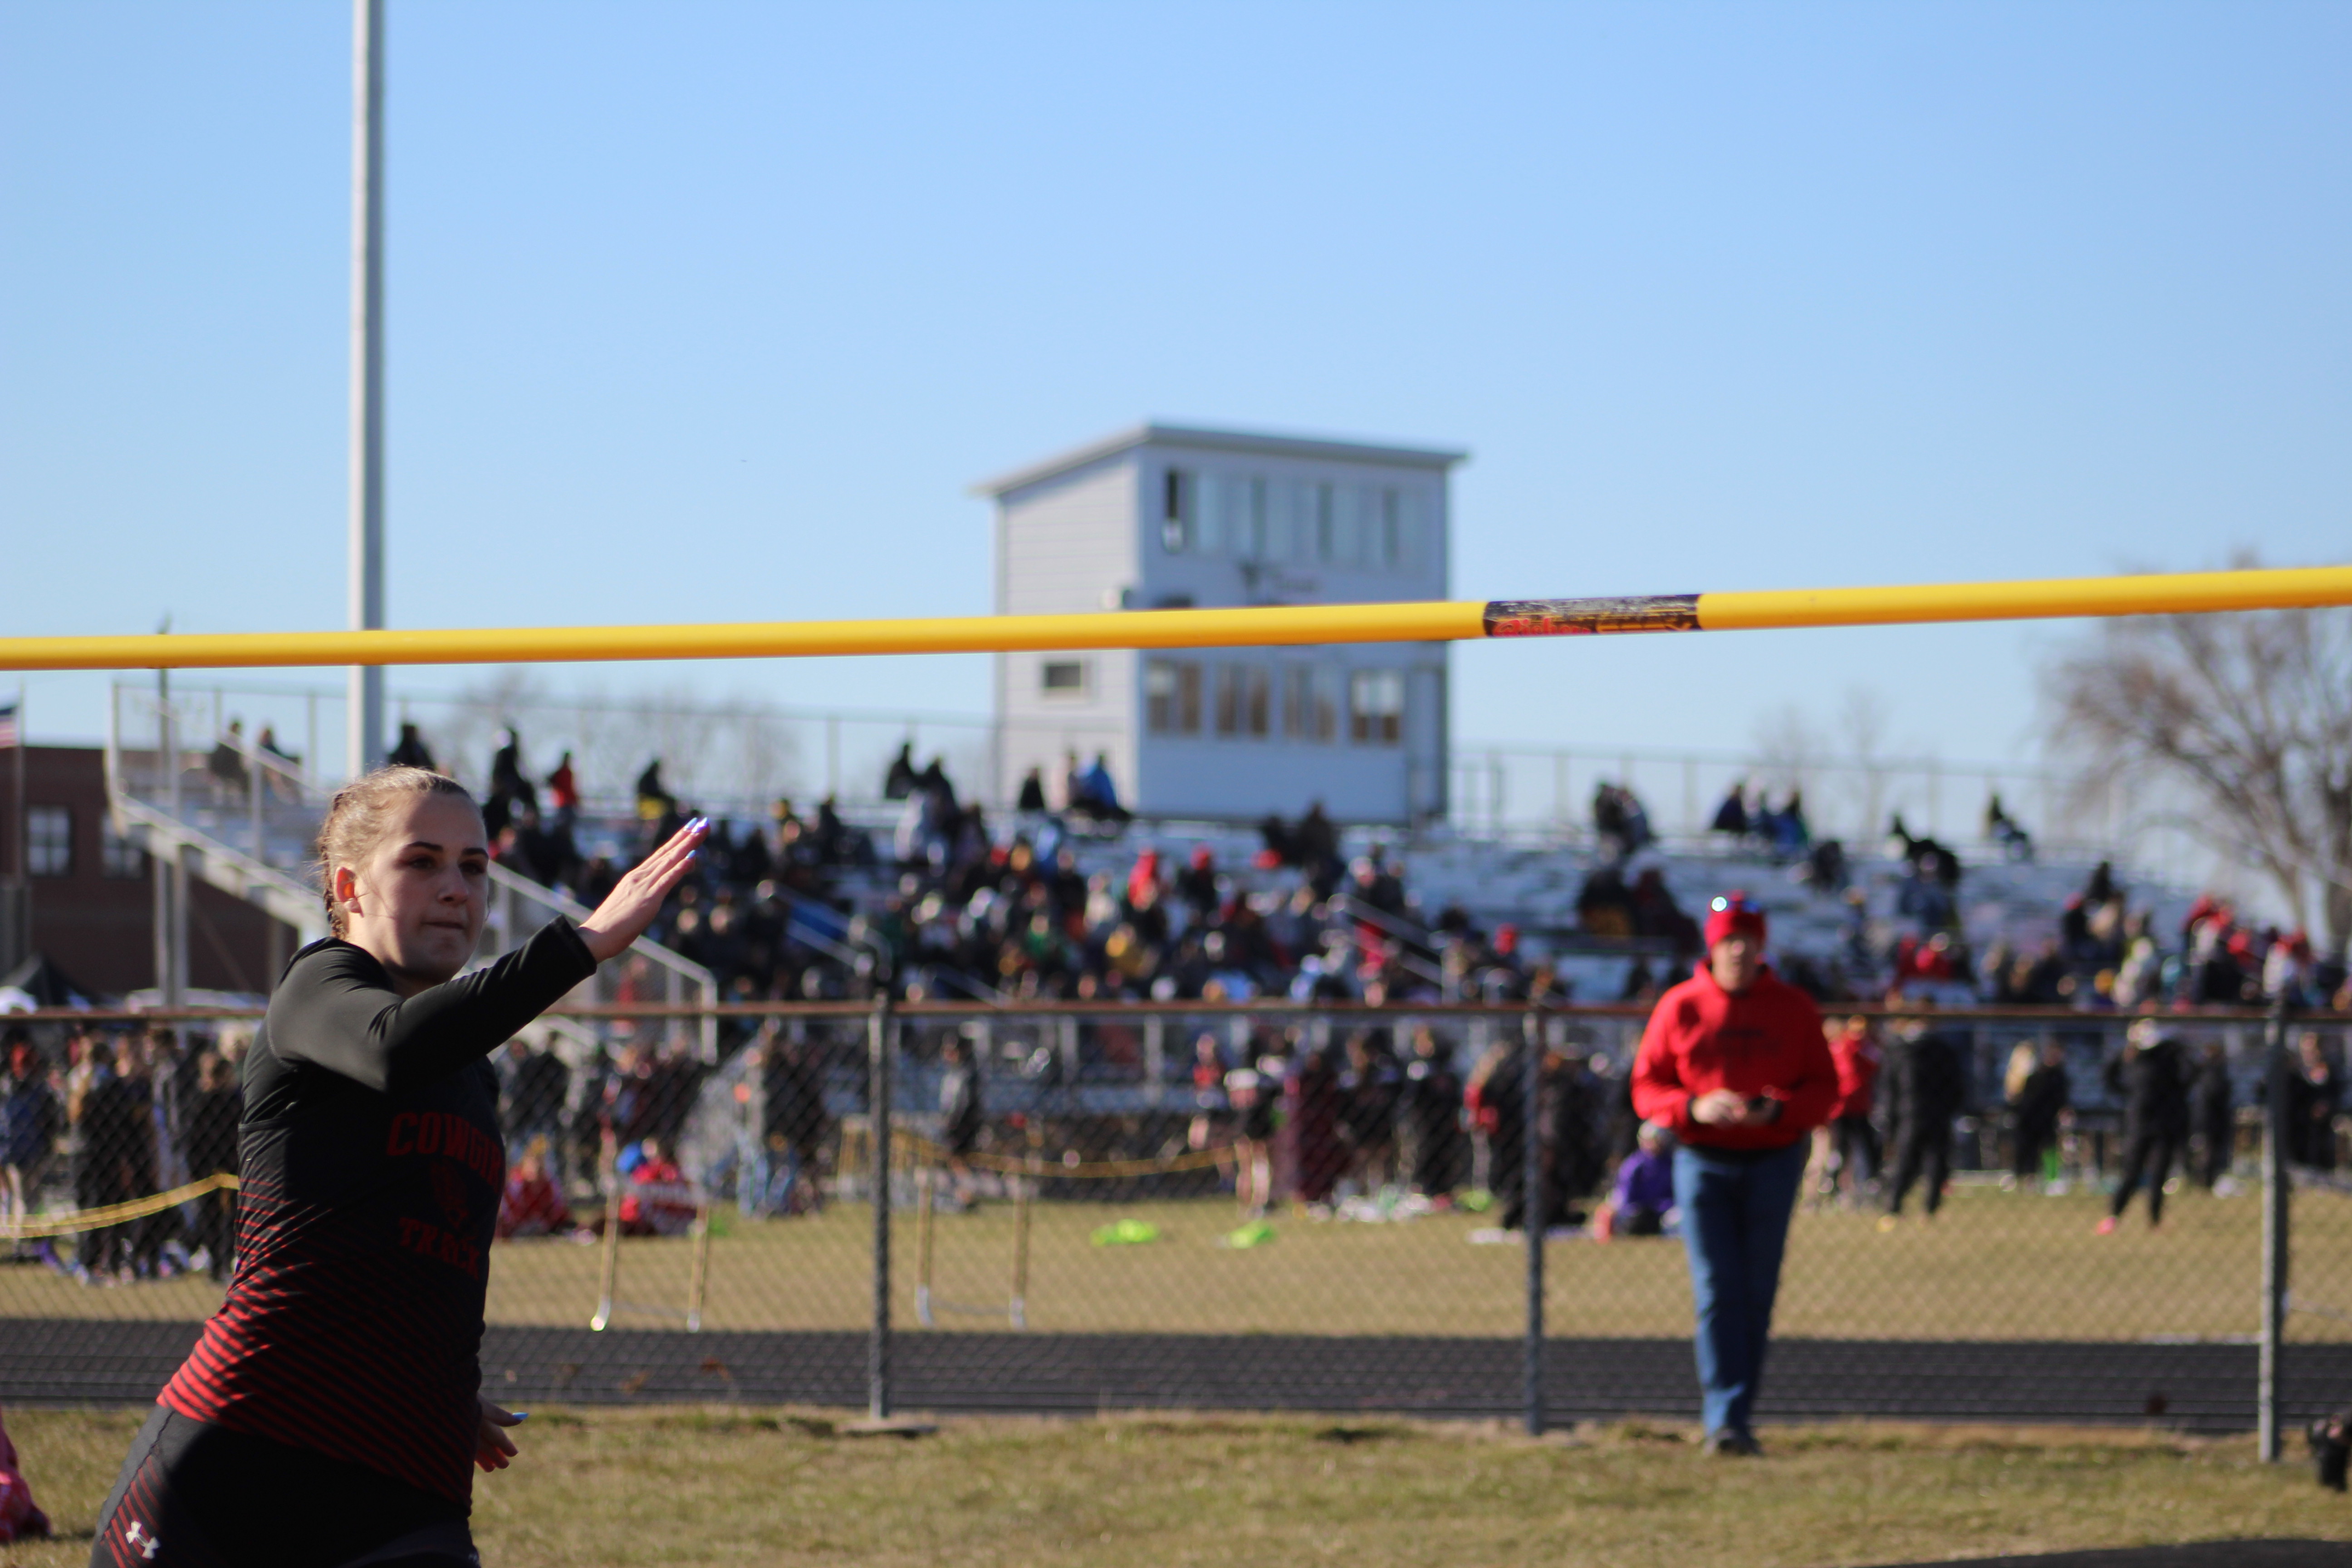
(1734, 1064)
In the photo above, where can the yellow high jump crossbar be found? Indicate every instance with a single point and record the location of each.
(1259, 626)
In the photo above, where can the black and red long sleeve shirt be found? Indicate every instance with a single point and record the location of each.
(373, 1168)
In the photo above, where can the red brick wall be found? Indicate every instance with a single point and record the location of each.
(100, 930)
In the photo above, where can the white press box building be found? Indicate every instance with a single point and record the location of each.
(1160, 517)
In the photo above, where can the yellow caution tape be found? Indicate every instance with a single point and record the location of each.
(113, 1213)
(933, 1153)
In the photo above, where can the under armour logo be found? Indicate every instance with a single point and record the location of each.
(147, 1540)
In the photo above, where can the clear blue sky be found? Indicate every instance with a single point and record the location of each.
(712, 312)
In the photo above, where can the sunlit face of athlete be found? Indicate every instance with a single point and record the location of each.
(417, 902)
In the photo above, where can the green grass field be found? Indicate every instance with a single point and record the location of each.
(1995, 1266)
(694, 1486)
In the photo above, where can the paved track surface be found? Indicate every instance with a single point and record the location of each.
(2207, 1388)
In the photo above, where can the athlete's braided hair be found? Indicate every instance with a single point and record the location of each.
(355, 822)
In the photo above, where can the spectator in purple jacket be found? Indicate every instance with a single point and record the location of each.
(1645, 1187)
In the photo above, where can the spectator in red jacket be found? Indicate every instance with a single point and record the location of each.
(1734, 1065)
(1853, 1046)
(533, 1205)
(659, 1200)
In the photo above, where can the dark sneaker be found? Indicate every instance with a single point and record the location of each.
(1730, 1444)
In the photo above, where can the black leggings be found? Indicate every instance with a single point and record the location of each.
(1857, 1148)
(2220, 1139)
(1924, 1147)
(194, 1495)
(2147, 1149)
(2025, 1154)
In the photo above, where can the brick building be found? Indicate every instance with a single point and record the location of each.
(92, 892)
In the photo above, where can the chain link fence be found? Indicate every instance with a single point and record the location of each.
(1354, 1186)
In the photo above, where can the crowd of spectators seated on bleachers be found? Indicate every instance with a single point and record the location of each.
(953, 903)
(950, 904)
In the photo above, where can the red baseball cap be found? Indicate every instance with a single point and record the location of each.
(1732, 914)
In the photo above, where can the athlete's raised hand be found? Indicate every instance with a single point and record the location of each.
(637, 897)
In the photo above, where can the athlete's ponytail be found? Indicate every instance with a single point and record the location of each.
(355, 822)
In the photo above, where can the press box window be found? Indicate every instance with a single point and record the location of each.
(1064, 678)
(1309, 708)
(1376, 707)
(1244, 699)
(1171, 697)
(1176, 497)
(48, 840)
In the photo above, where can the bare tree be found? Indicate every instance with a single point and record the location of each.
(1865, 719)
(740, 754)
(466, 732)
(1789, 752)
(2244, 721)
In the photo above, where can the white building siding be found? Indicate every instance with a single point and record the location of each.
(1066, 547)
(1232, 733)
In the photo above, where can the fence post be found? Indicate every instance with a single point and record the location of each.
(880, 1049)
(2276, 1188)
(1536, 1216)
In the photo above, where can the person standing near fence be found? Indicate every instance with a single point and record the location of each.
(2044, 1098)
(962, 1117)
(1925, 1084)
(1432, 1116)
(794, 1126)
(30, 1121)
(1735, 1066)
(2315, 1098)
(331, 1410)
(109, 1133)
(148, 1066)
(1853, 1046)
(2214, 1103)
(2152, 1080)
(533, 1086)
(212, 1150)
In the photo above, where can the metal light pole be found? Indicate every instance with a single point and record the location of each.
(365, 708)
(882, 1048)
(2277, 1195)
(1536, 1217)
(168, 861)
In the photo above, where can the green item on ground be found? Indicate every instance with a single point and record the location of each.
(1478, 1200)
(1126, 1233)
(1258, 1233)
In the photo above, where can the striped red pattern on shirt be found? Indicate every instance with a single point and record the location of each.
(326, 1343)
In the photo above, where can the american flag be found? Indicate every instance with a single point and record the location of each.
(8, 728)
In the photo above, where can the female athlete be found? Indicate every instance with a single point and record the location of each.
(330, 1414)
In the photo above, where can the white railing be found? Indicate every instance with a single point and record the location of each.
(273, 803)
(1506, 790)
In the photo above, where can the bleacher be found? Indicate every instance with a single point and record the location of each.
(1532, 882)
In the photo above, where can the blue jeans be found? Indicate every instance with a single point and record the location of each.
(766, 1180)
(1735, 1228)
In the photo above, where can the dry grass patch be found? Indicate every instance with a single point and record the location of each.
(1995, 1266)
(725, 1485)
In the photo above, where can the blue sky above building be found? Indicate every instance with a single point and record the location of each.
(715, 313)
